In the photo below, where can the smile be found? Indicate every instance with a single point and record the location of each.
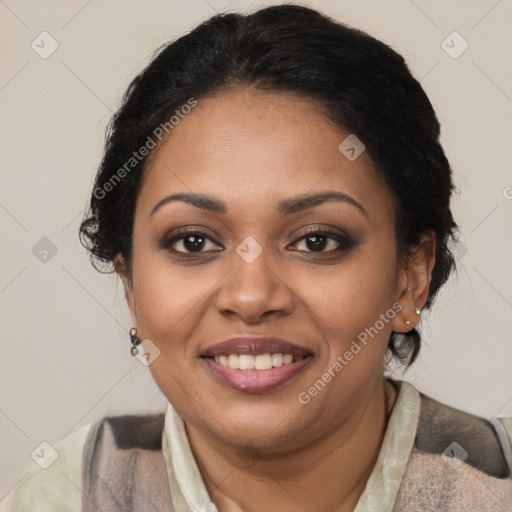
(255, 364)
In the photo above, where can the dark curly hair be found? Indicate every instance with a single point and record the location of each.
(364, 85)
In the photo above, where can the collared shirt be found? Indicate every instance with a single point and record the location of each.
(58, 487)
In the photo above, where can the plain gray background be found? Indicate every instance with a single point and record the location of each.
(64, 327)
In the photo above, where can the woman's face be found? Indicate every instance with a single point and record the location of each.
(251, 271)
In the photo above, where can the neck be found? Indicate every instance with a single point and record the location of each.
(327, 474)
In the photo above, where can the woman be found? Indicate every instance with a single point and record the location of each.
(275, 199)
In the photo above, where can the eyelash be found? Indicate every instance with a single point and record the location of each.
(344, 241)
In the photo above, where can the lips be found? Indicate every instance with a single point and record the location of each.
(256, 364)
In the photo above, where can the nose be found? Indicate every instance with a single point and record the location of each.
(255, 290)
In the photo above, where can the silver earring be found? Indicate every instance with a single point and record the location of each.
(408, 322)
(135, 341)
(418, 311)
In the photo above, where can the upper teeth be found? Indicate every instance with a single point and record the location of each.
(250, 362)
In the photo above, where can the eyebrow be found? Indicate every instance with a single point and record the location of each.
(285, 207)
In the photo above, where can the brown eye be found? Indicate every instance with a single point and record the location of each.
(189, 241)
(319, 241)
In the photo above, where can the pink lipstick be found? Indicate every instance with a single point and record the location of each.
(256, 364)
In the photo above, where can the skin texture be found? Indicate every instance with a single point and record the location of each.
(267, 451)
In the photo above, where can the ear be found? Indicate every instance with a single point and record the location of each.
(122, 270)
(414, 282)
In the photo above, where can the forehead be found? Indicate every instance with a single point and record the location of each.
(256, 146)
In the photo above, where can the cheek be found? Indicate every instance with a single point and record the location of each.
(351, 294)
(169, 304)
(168, 297)
(353, 309)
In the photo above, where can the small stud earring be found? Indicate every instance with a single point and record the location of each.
(418, 311)
(408, 322)
(135, 341)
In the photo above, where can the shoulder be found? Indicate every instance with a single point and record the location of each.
(123, 465)
(459, 461)
(53, 483)
(452, 432)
